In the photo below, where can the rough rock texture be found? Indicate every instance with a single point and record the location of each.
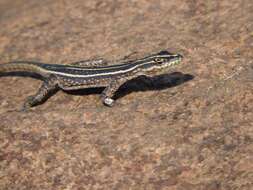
(192, 129)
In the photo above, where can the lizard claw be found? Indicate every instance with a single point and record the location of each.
(28, 103)
(25, 107)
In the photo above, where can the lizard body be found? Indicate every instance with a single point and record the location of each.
(91, 73)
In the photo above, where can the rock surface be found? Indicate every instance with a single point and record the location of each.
(192, 129)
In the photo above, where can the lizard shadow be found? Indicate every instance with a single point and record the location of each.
(141, 83)
(21, 74)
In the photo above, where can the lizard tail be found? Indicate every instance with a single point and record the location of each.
(23, 67)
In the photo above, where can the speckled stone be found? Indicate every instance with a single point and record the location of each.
(190, 129)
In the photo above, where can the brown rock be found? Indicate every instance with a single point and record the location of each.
(188, 129)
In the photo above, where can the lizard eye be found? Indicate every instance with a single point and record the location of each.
(159, 60)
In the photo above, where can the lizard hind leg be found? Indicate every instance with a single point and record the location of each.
(48, 87)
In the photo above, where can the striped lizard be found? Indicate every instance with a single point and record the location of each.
(91, 73)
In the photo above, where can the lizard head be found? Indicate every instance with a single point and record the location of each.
(160, 62)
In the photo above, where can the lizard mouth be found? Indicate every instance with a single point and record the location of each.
(175, 61)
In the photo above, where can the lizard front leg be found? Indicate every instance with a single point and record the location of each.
(109, 91)
(46, 88)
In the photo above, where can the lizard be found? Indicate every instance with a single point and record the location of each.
(91, 74)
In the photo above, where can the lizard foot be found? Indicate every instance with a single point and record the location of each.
(28, 103)
(108, 102)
